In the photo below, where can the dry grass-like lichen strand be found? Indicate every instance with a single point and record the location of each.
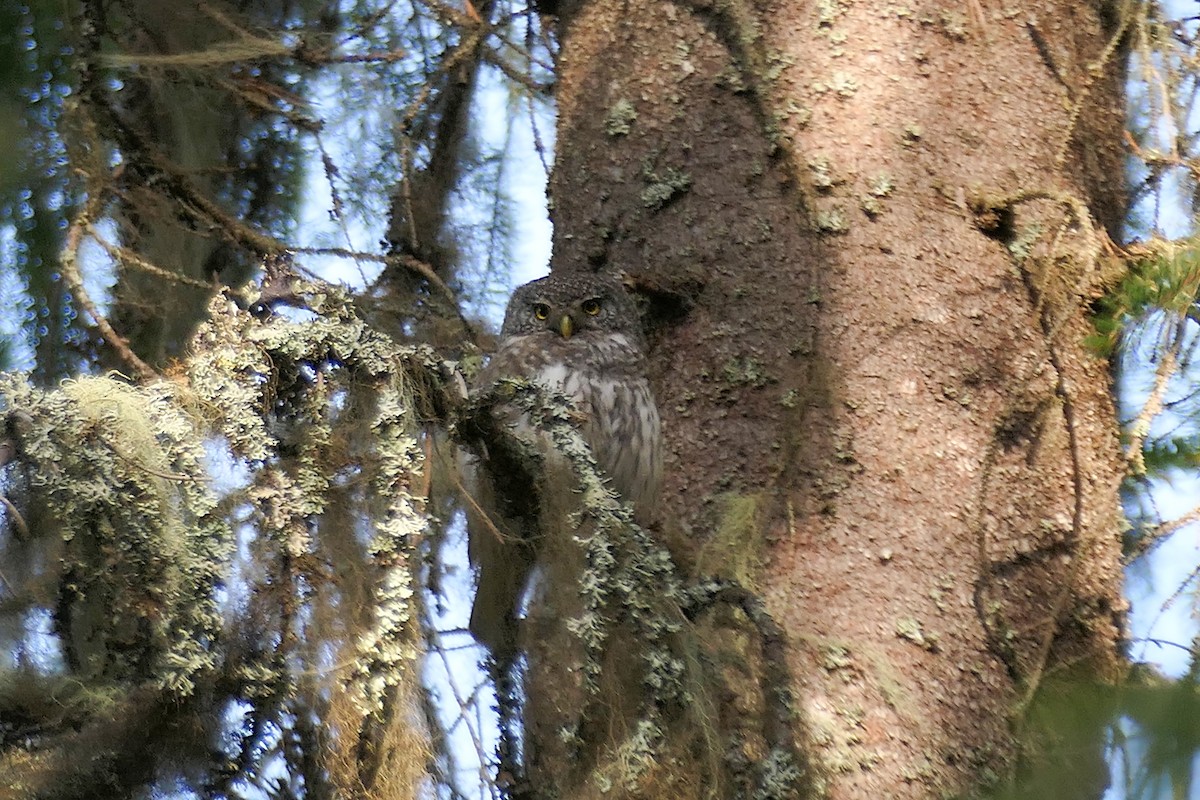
(121, 470)
(636, 756)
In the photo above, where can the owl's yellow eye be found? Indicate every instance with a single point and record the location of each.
(541, 311)
(591, 306)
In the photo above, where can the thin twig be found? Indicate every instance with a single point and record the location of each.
(1138, 431)
(17, 519)
(404, 261)
(202, 208)
(515, 74)
(131, 259)
(1094, 71)
(170, 476)
(1152, 537)
(69, 269)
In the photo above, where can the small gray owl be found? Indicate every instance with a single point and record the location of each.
(580, 334)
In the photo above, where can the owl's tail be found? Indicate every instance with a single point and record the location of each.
(503, 569)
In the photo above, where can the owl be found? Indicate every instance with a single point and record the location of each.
(579, 334)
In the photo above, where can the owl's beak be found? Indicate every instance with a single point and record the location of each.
(566, 326)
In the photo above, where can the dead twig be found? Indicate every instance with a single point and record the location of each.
(69, 267)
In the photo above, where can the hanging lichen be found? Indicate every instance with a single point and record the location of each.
(248, 524)
(118, 472)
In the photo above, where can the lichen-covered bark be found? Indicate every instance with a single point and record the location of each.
(871, 233)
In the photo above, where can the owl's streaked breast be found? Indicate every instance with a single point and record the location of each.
(604, 374)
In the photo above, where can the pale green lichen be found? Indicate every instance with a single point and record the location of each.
(843, 84)
(1021, 244)
(828, 12)
(954, 24)
(731, 78)
(620, 118)
(121, 470)
(835, 657)
(664, 186)
(745, 371)
(801, 115)
(627, 576)
(871, 206)
(911, 630)
(387, 650)
(879, 187)
(350, 356)
(821, 171)
(146, 544)
(779, 776)
(831, 220)
(776, 62)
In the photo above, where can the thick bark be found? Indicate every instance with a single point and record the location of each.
(873, 233)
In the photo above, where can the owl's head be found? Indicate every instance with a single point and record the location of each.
(572, 304)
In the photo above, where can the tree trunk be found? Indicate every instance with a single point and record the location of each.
(872, 233)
